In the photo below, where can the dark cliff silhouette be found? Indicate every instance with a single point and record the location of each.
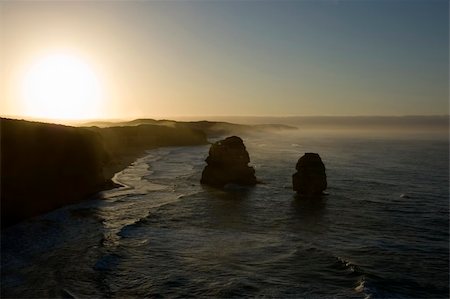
(228, 163)
(310, 180)
(46, 166)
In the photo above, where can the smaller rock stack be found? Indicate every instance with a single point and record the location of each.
(310, 179)
(228, 163)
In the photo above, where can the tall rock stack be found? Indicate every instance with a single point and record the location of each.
(228, 163)
(310, 179)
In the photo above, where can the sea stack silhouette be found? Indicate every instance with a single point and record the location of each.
(228, 163)
(310, 180)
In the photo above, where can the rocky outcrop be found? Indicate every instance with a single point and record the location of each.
(310, 178)
(228, 163)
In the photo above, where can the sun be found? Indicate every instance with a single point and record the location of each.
(61, 86)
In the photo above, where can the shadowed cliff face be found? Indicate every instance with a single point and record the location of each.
(46, 166)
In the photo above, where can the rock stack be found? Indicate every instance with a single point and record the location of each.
(310, 179)
(228, 163)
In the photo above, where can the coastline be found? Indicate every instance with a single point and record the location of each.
(121, 164)
(110, 171)
(47, 166)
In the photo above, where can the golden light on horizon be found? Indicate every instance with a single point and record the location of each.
(61, 86)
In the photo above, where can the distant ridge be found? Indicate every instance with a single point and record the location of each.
(211, 128)
(414, 122)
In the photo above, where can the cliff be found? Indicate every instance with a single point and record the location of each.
(46, 166)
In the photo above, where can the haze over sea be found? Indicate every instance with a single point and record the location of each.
(382, 231)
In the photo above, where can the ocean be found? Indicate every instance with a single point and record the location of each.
(381, 232)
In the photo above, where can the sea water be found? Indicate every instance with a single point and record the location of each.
(381, 232)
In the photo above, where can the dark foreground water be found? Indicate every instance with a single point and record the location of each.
(382, 232)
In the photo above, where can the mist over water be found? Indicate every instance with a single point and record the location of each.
(420, 126)
(382, 232)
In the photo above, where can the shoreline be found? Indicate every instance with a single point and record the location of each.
(47, 166)
(124, 164)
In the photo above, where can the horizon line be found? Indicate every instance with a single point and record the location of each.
(31, 118)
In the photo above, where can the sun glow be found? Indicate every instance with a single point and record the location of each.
(61, 86)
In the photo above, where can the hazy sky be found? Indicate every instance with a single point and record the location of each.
(189, 58)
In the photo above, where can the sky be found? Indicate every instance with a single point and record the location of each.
(254, 58)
